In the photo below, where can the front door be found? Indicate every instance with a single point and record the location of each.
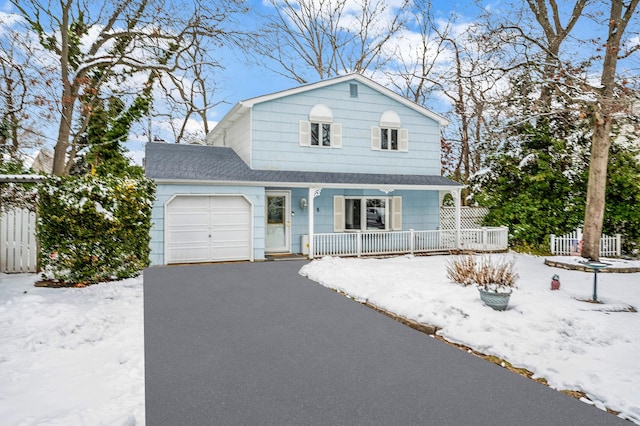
(278, 216)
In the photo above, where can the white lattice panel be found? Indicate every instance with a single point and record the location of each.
(470, 217)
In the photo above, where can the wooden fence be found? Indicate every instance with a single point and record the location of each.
(571, 244)
(18, 245)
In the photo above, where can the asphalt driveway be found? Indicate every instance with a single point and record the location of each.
(257, 344)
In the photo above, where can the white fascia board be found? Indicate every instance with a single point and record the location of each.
(309, 185)
(359, 78)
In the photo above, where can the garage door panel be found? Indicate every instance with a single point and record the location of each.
(230, 253)
(208, 229)
(189, 236)
(188, 254)
(185, 219)
(186, 202)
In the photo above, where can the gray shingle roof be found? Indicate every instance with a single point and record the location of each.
(221, 164)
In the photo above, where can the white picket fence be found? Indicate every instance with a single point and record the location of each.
(18, 245)
(571, 244)
(399, 242)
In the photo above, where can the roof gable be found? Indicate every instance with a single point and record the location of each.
(243, 107)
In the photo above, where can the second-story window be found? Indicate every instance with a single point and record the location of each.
(389, 139)
(320, 130)
(389, 135)
(320, 134)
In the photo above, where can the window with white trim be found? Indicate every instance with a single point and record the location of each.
(367, 213)
(320, 130)
(389, 134)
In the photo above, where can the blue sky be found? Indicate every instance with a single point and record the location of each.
(243, 79)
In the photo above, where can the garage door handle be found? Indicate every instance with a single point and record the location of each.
(209, 235)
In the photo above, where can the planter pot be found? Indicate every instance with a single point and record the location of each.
(497, 301)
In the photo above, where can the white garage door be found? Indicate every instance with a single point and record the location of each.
(208, 229)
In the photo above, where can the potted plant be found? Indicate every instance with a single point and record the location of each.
(495, 279)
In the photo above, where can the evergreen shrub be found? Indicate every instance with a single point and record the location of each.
(94, 229)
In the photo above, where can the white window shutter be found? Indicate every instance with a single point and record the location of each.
(375, 138)
(304, 133)
(403, 140)
(396, 213)
(336, 135)
(338, 213)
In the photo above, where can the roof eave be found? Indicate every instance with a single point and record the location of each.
(384, 187)
(226, 122)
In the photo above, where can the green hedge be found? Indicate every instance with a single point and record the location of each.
(94, 229)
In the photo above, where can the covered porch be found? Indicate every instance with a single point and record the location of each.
(398, 240)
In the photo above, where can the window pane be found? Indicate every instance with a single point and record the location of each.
(326, 135)
(352, 213)
(376, 213)
(384, 138)
(275, 209)
(394, 139)
(315, 129)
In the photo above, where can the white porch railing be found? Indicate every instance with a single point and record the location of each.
(571, 244)
(401, 242)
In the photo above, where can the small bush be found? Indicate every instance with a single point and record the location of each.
(487, 274)
(462, 270)
(94, 229)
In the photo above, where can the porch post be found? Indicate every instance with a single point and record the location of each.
(456, 199)
(310, 213)
(313, 193)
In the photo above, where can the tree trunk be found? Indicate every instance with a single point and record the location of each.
(64, 131)
(596, 189)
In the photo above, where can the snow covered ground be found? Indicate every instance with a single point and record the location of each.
(574, 345)
(76, 356)
(71, 356)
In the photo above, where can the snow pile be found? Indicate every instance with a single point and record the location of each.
(574, 345)
(71, 356)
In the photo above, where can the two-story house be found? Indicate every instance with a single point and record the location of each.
(340, 167)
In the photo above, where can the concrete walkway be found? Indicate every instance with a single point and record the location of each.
(257, 344)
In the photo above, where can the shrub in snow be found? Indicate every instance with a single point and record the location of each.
(94, 229)
(487, 273)
(16, 195)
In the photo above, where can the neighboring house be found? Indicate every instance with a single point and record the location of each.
(342, 166)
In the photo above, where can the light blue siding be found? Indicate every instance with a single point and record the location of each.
(275, 142)
(165, 192)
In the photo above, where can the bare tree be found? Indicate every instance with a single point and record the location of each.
(190, 91)
(455, 61)
(566, 66)
(20, 105)
(569, 77)
(101, 47)
(327, 38)
(550, 20)
(604, 110)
